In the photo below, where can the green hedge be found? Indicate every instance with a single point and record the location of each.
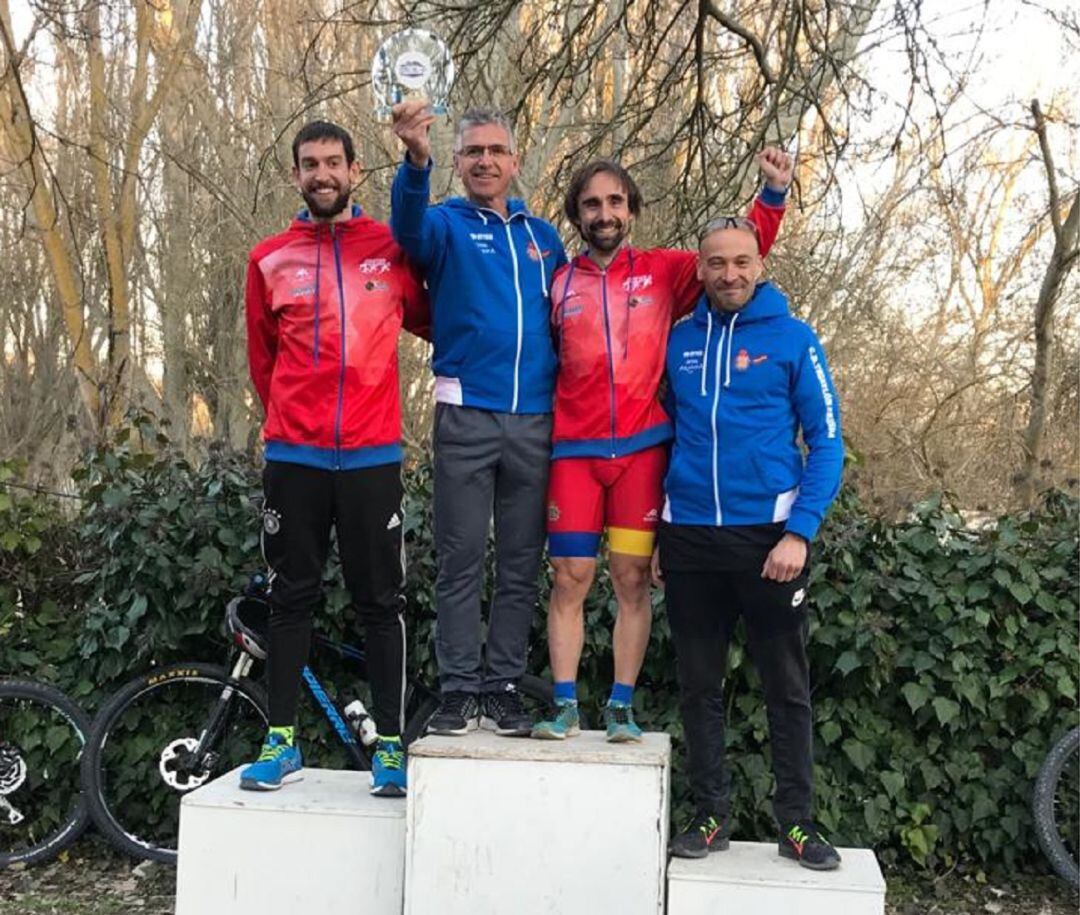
(944, 662)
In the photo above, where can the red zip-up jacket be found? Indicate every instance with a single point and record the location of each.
(612, 327)
(325, 303)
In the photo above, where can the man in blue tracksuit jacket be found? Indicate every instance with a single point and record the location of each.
(488, 264)
(741, 507)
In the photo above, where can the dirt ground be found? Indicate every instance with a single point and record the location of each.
(92, 880)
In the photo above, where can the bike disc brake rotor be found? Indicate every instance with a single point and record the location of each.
(175, 765)
(12, 769)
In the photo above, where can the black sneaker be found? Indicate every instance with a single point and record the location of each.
(705, 833)
(504, 713)
(457, 714)
(803, 843)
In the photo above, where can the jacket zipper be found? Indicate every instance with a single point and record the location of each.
(341, 330)
(520, 323)
(715, 436)
(611, 360)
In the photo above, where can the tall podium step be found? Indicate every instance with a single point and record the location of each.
(752, 877)
(322, 845)
(499, 825)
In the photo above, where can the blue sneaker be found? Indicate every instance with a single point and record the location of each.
(565, 723)
(277, 765)
(621, 727)
(388, 768)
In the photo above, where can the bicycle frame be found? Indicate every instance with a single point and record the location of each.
(242, 667)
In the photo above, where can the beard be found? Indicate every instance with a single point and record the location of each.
(321, 210)
(604, 243)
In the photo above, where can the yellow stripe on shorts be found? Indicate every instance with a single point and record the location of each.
(633, 543)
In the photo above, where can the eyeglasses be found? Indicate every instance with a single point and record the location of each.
(477, 152)
(728, 222)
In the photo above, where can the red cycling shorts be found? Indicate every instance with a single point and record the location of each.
(587, 495)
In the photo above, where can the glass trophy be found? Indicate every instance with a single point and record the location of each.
(414, 63)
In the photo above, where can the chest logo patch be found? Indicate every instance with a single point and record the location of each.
(637, 283)
(537, 253)
(743, 360)
(375, 265)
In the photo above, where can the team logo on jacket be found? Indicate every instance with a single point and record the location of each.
(375, 286)
(743, 360)
(537, 253)
(651, 516)
(637, 283)
(553, 512)
(375, 265)
(302, 273)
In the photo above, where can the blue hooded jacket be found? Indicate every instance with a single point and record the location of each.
(489, 280)
(740, 386)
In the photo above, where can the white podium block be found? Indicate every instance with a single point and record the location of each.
(752, 877)
(500, 825)
(322, 845)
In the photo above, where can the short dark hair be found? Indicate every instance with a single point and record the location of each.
(323, 130)
(586, 173)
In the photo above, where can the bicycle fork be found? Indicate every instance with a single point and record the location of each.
(220, 712)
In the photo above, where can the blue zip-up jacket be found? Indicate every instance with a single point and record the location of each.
(489, 281)
(740, 386)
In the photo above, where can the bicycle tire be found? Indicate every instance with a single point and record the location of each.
(1044, 808)
(111, 773)
(30, 784)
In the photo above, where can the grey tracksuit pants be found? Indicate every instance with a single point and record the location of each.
(485, 462)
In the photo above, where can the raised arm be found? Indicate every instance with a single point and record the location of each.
(416, 228)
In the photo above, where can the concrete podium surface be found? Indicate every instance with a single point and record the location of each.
(751, 876)
(500, 824)
(322, 845)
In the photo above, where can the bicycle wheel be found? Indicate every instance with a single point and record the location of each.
(42, 809)
(160, 736)
(1055, 804)
(537, 693)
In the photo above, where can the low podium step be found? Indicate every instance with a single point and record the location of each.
(752, 877)
(500, 825)
(322, 845)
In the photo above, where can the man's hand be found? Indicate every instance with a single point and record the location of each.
(786, 560)
(654, 567)
(412, 121)
(777, 167)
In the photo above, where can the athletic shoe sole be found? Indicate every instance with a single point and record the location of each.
(786, 852)
(470, 725)
(545, 734)
(717, 845)
(390, 790)
(490, 724)
(249, 785)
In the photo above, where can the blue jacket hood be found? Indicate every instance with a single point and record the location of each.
(766, 302)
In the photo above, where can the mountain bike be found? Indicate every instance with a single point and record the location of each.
(175, 728)
(42, 809)
(1055, 804)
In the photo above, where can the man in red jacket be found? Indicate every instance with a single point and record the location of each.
(612, 309)
(325, 301)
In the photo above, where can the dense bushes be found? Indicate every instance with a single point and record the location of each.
(945, 662)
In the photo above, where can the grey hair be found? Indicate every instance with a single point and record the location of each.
(720, 223)
(478, 117)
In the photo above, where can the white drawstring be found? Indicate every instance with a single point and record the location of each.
(730, 338)
(539, 255)
(705, 361)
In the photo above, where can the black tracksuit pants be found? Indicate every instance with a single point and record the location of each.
(364, 507)
(704, 601)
